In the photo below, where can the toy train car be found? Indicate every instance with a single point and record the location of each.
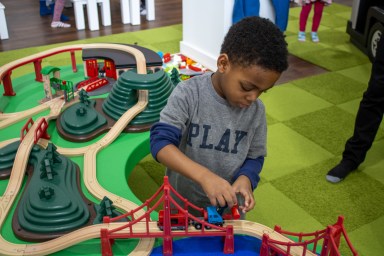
(178, 220)
(211, 215)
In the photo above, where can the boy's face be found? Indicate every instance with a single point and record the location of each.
(241, 86)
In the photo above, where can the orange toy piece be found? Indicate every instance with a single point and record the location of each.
(235, 212)
(189, 61)
(167, 57)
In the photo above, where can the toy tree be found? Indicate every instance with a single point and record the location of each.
(52, 155)
(175, 77)
(46, 192)
(84, 97)
(106, 209)
(47, 170)
(81, 111)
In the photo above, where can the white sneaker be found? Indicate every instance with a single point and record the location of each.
(301, 36)
(59, 24)
(315, 37)
(143, 10)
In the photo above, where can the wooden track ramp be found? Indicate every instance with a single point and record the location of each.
(16, 63)
(12, 118)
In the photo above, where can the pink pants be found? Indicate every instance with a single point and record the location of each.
(306, 9)
(59, 6)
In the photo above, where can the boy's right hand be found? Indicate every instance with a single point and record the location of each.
(218, 190)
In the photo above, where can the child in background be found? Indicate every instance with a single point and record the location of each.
(318, 12)
(245, 8)
(212, 133)
(47, 8)
(56, 22)
(281, 13)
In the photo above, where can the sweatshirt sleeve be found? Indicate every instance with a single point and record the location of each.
(161, 135)
(251, 168)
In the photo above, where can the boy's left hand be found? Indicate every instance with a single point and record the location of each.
(243, 186)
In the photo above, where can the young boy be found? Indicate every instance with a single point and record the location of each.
(212, 133)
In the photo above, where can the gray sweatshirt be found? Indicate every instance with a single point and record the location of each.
(214, 134)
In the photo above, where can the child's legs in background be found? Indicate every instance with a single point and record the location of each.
(305, 10)
(281, 13)
(318, 13)
(59, 6)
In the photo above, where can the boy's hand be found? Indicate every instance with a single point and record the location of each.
(243, 186)
(218, 190)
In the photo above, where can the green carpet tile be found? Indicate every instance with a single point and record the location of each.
(309, 121)
(333, 87)
(279, 102)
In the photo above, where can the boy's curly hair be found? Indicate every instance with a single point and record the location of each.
(256, 41)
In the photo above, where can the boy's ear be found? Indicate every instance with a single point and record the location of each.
(222, 62)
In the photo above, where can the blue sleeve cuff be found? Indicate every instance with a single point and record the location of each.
(251, 168)
(161, 135)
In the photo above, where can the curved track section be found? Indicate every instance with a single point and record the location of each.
(28, 59)
(257, 230)
(12, 118)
